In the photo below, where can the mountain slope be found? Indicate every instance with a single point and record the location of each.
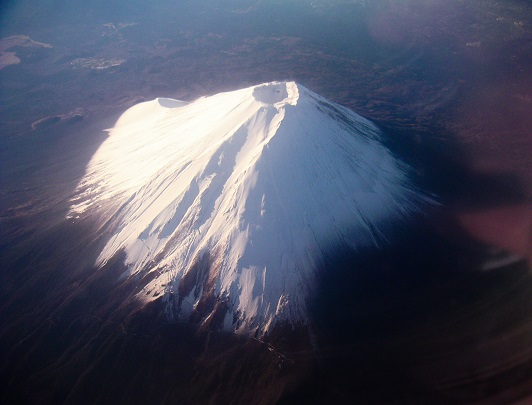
(232, 201)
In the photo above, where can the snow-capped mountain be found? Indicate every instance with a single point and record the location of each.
(230, 202)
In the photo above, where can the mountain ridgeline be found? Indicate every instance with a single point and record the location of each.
(227, 206)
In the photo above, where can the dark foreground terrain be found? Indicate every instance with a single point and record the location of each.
(393, 327)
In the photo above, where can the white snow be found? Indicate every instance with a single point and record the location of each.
(264, 179)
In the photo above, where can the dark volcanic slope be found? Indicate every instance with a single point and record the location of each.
(392, 326)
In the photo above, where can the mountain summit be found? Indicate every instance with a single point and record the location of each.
(229, 204)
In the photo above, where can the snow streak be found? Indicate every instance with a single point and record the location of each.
(231, 201)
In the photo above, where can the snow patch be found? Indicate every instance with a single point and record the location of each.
(236, 196)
